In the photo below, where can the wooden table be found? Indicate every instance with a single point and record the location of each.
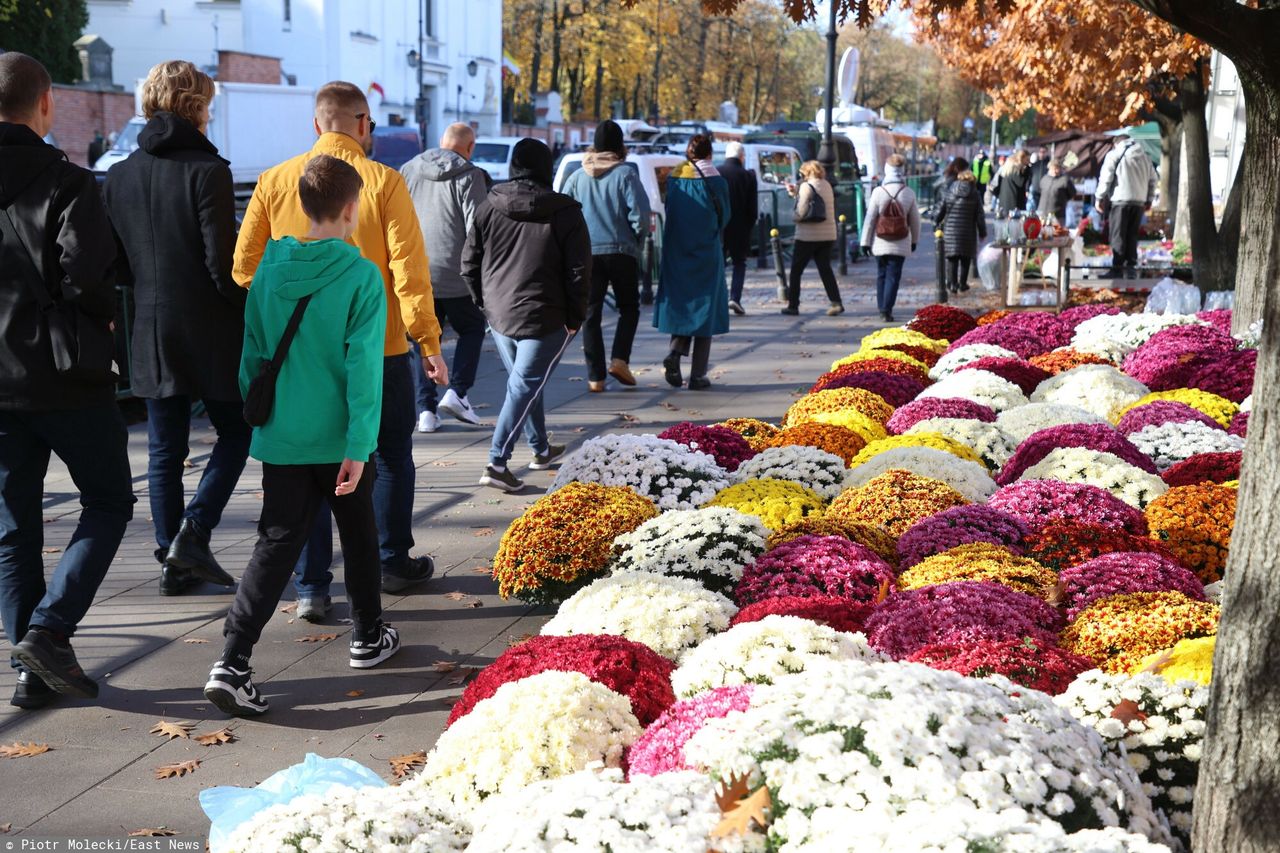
(1013, 267)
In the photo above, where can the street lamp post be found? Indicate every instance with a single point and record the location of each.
(827, 150)
(457, 112)
(419, 103)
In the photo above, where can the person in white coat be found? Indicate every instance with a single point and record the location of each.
(890, 232)
(1126, 188)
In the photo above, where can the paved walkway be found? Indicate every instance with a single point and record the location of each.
(152, 654)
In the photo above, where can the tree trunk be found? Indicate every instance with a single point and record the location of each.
(1208, 258)
(1170, 130)
(557, 26)
(1181, 217)
(699, 73)
(535, 66)
(1259, 263)
(599, 89)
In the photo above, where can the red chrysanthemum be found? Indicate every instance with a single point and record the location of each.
(1024, 374)
(1063, 544)
(1033, 663)
(842, 614)
(728, 447)
(1218, 467)
(941, 322)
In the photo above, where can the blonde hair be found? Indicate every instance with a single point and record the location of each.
(177, 87)
(1018, 160)
(897, 161)
(812, 169)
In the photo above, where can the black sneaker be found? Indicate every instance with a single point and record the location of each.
(699, 383)
(31, 692)
(415, 570)
(504, 480)
(736, 307)
(176, 581)
(790, 312)
(671, 370)
(543, 461)
(55, 662)
(233, 691)
(190, 551)
(371, 651)
(313, 608)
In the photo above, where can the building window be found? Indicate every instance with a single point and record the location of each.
(429, 17)
(288, 15)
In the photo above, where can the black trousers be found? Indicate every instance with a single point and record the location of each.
(819, 252)
(292, 496)
(701, 349)
(957, 271)
(1125, 220)
(623, 273)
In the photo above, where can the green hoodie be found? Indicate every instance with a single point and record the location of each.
(329, 393)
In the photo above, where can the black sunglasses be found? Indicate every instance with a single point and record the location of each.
(372, 123)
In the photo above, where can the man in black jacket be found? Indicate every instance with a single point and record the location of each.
(55, 243)
(744, 210)
(527, 263)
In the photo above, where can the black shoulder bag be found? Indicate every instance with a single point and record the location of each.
(261, 398)
(83, 348)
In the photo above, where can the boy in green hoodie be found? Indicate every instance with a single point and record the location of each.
(322, 429)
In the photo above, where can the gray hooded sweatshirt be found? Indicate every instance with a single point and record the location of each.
(446, 189)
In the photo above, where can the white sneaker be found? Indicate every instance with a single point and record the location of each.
(428, 422)
(452, 404)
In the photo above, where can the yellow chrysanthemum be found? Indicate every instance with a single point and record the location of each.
(1118, 632)
(1232, 484)
(776, 503)
(758, 434)
(838, 400)
(892, 337)
(936, 440)
(1220, 409)
(866, 428)
(868, 354)
(982, 561)
(894, 501)
(1189, 660)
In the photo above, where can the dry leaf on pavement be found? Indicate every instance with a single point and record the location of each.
(152, 832)
(50, 550)
(670, 407)
(513, 640)
(290, 607)
(455, 595)
(164, 728)
(403, 765)
(5, 827)
(464, 674)
(483, 531)
(475, 602)
(315, 638)
(221, 736)
(483, 570)
(195, 641)
(354, 694)
(443, 463)
(628, 417)
(445, 665)
(18, 749)
(182, 768)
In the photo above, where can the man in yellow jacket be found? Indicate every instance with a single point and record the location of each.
(387, 234)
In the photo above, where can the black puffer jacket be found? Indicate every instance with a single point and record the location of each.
(173, 210)
(527, 260)
(1011, 190)
(58, 215)
(962, 219)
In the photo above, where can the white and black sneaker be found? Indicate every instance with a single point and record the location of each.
(233, 691)
(458, 407)
(366, 653)
(504, 479)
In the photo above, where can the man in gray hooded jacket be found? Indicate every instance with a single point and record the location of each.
(447, 188)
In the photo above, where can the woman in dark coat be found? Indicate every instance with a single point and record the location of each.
(173, 210)
(1012, 184)
(692, 304)
(963, 223)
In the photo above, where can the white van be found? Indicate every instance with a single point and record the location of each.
(652, 168)
(873, 144)
(493, 154)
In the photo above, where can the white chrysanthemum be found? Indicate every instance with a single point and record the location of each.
(812, 467)
(988, 440)
(1097, 388)
(594, 811)
(1247, 404)
(1161, 732)
(967, 354)
(669, 473)
(395, 820)
(1105, 470)
(848, 743)
(762, 652)
(1022, 422)
(980, 386)
(1113, 336)
(968, 478)
(667, 614)
(711, 545)
(539, 727)
(1169, 443)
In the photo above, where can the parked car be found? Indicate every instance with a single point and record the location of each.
(395, 146)
(653, 170)
(493, 154)
(845, 183)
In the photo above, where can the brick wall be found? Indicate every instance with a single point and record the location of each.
(80, 112)
(236, 67)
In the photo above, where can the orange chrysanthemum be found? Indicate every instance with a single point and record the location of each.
(841, 441)
(992, 316)
(1195, 523)
(1117, 633)
(894, 501)
(759, 434)
(836, 400)
(1062, 360)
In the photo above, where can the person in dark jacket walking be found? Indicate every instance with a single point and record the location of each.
(1011, 184)
(527, 263)
(616, 209)
(744, 210)
(1055, 191)
(55, 246)
(447, 188)
(963, 223)
(1039, 169)
(188, 329)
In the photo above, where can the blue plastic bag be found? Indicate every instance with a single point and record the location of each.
(228, 806)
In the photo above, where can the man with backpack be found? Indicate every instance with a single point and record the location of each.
(1126, 189)
(890, 232)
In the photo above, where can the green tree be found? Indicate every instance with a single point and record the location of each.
(45, 29)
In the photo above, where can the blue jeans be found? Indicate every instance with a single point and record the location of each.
(530, 363)
(888, 274)
(468, 322)
(169, 437)
(93, 444)
(392, 491)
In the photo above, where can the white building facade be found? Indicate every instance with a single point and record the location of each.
(372, 43)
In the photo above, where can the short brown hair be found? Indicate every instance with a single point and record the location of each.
(812, 169)
(897, 161)
(23, 80)
(176, 87)
(340, 99)
(699, 148)
(327, 186)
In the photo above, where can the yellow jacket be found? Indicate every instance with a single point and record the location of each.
(387, 234)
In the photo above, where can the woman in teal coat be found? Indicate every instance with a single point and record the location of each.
(692, 303)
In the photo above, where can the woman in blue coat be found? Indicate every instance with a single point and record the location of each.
(692, 304)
